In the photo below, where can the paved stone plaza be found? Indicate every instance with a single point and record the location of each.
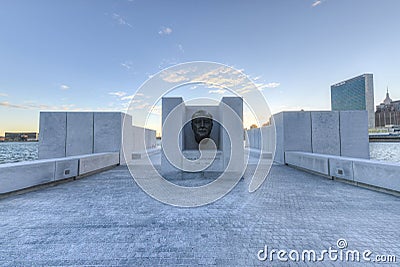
(107, 220)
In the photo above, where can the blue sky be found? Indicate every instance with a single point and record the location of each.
(91, 55)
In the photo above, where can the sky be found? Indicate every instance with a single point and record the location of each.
(92, 55)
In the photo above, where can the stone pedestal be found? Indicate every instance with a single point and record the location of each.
(177, 117)
(194, 155)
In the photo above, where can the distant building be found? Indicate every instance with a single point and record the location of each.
(2, 138)
(20, 137)
(388, 112)
(355, 94)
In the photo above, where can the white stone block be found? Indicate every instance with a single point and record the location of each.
(297, 131)
(341, 167)
(257, 138)
(17, 176)
(233, 141)
(79, 133)
(138, 139)
(152, 139)
(95, 162)
(52, 134)
(354, 140)
(107, 131)
(246, 139)
(127, 139)
(293, 133)
(143, 139)
(325, 132)
(268, 138)
(66, 168)
(376, 173)
(309, 161)
(249, 138)
(216, 165)
(280, 151)
(185, 138)
(168, 105)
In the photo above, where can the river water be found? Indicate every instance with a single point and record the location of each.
(22, 151)
(18, 151)
(385, 151)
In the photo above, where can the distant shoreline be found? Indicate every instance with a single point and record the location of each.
(30, 141)
(385, 138)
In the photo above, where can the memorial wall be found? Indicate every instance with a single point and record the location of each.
(63, 134)
(337, 133)
(197, 133)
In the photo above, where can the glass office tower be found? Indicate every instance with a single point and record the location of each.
(355, 94)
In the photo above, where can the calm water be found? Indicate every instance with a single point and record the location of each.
(385, 151)
(18, 151)
(14, 152)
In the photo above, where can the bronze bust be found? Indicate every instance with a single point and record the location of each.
(202, 124)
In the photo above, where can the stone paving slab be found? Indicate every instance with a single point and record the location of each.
(107, 220)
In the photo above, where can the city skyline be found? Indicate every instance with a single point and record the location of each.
(87, 55)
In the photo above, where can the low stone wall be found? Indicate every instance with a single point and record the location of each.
(377, 174)
(143, 139)
(94, 162)
(22, 175)
(314, 162)
(261, 138)
(383, 175)
(340, 133)
(66, 134)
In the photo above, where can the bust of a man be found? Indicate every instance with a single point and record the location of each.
(202, 124)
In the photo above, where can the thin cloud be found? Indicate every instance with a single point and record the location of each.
(244, 91)
(125, 100)
(316, 3)
(141, 95)
(268, 85)
(9, 105)
(165, 31)
(167, 62)
(34, 106)
(127, 65)
(121, 20)
(64, 87)
(292, 108)
(67, 107)
(175, 76)
(218, 79)
(3, 94)
(180, 47)
(118, 94)
(149, 76)
(128, 97)
(142, 106)
(217, 91)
